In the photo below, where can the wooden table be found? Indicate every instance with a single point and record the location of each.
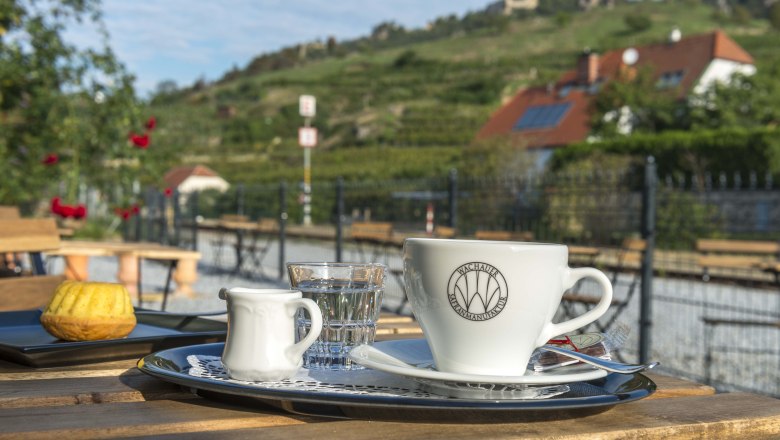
(77, 254)
(116, 400)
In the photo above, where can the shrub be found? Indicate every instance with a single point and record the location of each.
(690, 153)
(637, 22)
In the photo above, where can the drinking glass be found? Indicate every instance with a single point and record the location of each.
(349, 296)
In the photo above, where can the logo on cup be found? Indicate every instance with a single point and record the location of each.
(477, 291)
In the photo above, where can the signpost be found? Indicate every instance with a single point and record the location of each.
(307, 139)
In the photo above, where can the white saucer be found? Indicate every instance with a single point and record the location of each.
(413, 359)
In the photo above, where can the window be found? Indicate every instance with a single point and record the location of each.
(541, 116)
(670, 79)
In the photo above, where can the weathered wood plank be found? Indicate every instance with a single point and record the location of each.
(738, 246)
(130, 386)
(136, 419)
(674, 387)
(733, 415)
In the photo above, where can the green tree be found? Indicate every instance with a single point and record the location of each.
(57, 100)
(745, 101)
(650, 110)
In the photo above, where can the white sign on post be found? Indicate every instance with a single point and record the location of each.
(307, 137)
(307, 106)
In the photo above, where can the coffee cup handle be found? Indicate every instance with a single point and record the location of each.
(571, 277)
(295, 352)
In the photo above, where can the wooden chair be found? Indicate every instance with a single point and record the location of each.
(9, 212)
(628, 262)
(223, 231)
(256, 250)
(28, 237)
(21, 293)
(31, 236)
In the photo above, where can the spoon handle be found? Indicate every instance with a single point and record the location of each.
(615, 367)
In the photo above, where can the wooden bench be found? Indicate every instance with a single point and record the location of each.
(504, 235)
(444, 232)
(373, 232)
(130, 255)
(376, 234)
(234, 218)
(736, 260)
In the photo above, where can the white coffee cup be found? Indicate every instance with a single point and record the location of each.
(260, 344)
(484, 306)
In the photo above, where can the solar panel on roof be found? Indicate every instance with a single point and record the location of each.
(541, 116)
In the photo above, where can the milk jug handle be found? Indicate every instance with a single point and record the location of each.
(295, 352)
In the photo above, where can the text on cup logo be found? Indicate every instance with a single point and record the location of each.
(477, 291)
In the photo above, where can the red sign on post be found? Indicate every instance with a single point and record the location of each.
(307, 137)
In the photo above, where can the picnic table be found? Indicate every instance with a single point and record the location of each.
(129, 255)
(115, 399)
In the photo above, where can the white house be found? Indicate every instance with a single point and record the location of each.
(187, 179)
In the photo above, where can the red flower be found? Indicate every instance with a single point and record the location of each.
(140, 140)
(67, 211)
(151, 123)
(168, 192)
(122, 212)
(56, 206)
(50, 159)
(80, 212)
(135, 209)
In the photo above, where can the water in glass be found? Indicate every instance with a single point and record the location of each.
(350, 310)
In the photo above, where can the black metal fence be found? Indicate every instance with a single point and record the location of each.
(721, 330)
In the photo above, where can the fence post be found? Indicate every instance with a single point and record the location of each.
(125, 229)
(150, 209)
(453, 198)
(163, 220)
(282, 224)
(339, 218)
(175, 199)
(240, 199)
(194, 207)
(648, 234)
(138, 224)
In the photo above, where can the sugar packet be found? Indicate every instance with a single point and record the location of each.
(600, 345)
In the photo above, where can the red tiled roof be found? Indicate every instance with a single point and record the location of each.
(175, 176)
(690, 55)
(574, 125)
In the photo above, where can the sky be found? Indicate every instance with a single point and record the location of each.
(183, 40)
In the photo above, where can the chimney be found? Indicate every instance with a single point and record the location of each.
(588, 67)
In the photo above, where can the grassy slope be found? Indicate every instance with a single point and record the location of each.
(411, 129)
